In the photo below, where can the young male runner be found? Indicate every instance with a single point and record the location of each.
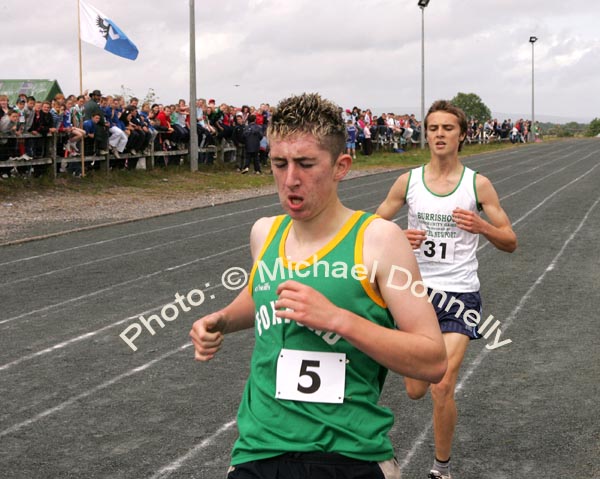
(444, 199)
(322, 302)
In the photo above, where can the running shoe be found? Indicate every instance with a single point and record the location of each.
(433, 474)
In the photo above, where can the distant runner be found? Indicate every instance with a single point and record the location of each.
(444, 199)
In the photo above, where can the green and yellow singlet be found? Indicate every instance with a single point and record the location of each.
(308, 390)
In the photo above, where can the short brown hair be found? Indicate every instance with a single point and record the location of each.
(449, 107)
(310, 114)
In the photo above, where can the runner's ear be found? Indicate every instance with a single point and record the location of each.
(342, 166)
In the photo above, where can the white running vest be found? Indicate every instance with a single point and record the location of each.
(447, 258)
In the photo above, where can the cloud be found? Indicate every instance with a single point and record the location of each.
(356, 52)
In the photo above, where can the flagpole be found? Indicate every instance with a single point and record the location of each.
(80, 83)
(79, 41)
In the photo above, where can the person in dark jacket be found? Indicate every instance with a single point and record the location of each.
(91, 108)
(43, 124)
(252, 136)
(238, 139)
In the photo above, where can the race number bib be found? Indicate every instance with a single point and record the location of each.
(439, 250)
(311, 376)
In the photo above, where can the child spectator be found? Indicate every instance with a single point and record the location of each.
(351, 139)
(263, 153)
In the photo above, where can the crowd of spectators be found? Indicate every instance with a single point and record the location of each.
(124, 128)
(128, 130)
(366, 130)
(493, 130)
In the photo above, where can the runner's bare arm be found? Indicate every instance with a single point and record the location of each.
(208, 332)
(392, 204)
(498, 230)
(395, 198)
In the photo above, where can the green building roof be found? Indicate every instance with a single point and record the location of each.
(42, 90)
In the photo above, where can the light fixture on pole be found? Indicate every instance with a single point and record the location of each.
(532, 40)
(422, 4)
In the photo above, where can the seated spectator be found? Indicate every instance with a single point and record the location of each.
(145, 115)
(179, 122)
(515, 135)
(162, 124)
(224, 124)
(9, 130)
(90, 126)
(3, 105)
(135, 137)
(118, 139)
(367, 144)
(74, 134)
(141, 127)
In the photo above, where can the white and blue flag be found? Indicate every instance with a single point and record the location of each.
(97, 29)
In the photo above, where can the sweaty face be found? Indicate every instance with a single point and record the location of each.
(304, 174)
(443, 133)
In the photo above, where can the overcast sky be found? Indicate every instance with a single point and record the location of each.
(365, 53)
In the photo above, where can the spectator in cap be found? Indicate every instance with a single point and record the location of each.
(91, 108)
(348, 116)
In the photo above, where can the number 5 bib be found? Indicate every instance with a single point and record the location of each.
(311, 376)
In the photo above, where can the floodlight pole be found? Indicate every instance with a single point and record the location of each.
(532, 40)
(193, 148)
(422, 4)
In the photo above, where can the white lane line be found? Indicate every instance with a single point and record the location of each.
(141, 250)
(553, 194)
(189, 223)
(516, 222)
(512, 316)
(542, 165)
(149, 275)
(91, 334)
(131, 372)
(74, 340)
(89, 392)
(165, 228)
(108, 288)
(120, 255)
(131, 235)
(532, 159)
(166, 471)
